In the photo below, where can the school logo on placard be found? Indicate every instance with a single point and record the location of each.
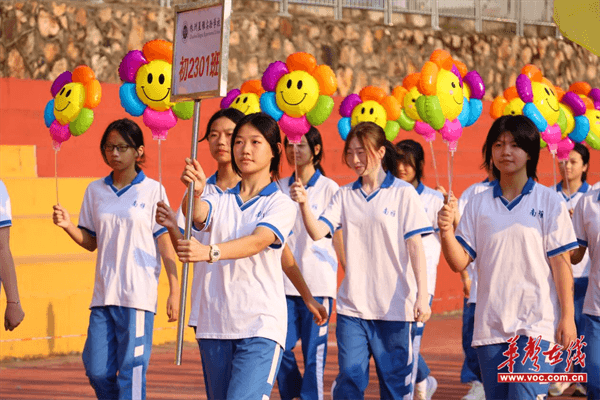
(184, 31)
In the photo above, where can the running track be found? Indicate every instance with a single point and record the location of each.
(63, 378)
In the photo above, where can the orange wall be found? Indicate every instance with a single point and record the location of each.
(22, 105)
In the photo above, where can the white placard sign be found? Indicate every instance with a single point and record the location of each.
(201, 50)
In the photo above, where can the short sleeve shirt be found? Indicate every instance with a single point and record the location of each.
(247, 297)
(316, 260)
(511, 242)
(586, 221)
(379, 283)
(123, 222)
(5, 209)
(581, 270)
(433, 201)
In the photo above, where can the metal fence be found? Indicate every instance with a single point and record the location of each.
(518, 12)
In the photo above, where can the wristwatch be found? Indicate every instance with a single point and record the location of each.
(214, 253)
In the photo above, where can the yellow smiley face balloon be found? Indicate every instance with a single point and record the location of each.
(410, 101)
(546, 102)
(297, 93)
(449, 93)
(68, 102)
(153, 85)
(369, 111)
(248, 103)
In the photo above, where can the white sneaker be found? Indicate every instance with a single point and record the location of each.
(476, 392)
(558, 388)
(425, 389)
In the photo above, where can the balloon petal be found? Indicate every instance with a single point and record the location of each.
(269, 105)
(498, 106)
(83, 74)
(348, 104)
(130, 101)
(581, 130)
(158, 50)
(230, 98)
(532, 72)
(524, 88)
(391, 130)
(430, 111)
(321, 111)
(372, 93)
(159, 122)
(344, 126)
(411, 80)
(294, 128)
(392, 107)
(475, 82)
(425, 130)
(252, 86)
(93, 94)
(49, 117)
(475, 110)
(564, 147)
(326, 79)
(82, 123)
(130, 64)
(301, 62)
(183, 110)
(406, 123)
(451, 131)
(428, 80)
(60, 81)
(272, 74)
(59, 133)
(575, 103)
(399, 92)
(531, 112)
(463, 117)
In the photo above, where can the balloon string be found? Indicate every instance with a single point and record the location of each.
(160, 170)
(554, 168)
(564, 165)
(56, 174)
(450, 171)
(437, 178)
(295, 163)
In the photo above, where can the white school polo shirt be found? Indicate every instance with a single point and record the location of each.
(5, 210)
(581, 270)
(586, 221)
(433, 201)
(245, 297)
(123, 222)
(317, 260)
(512, 243)
(596, 185)
(204, 238)
(379, 283)
(466, 196)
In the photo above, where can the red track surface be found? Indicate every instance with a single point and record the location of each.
(64, 378)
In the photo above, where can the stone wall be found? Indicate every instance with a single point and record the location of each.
(41, 39)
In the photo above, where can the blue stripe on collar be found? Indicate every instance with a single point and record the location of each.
(387, 182)
(267, 190)
(584, 188)
(526, 189)
(598, 195)
(213, 179)
(311, 182)
(512, 204)
(138, 179)
(420, 188)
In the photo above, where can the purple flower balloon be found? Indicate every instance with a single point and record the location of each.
(473, 79)
(130, 64)
(524, 88)
(272, 75)
(62, 80)
(348, 104)
(574, 102)
(231, 95)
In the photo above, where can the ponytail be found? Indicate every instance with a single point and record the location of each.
(390, 159)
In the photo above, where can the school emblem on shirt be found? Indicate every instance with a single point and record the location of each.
(389, 212)
(142, 205)
(539, 213)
